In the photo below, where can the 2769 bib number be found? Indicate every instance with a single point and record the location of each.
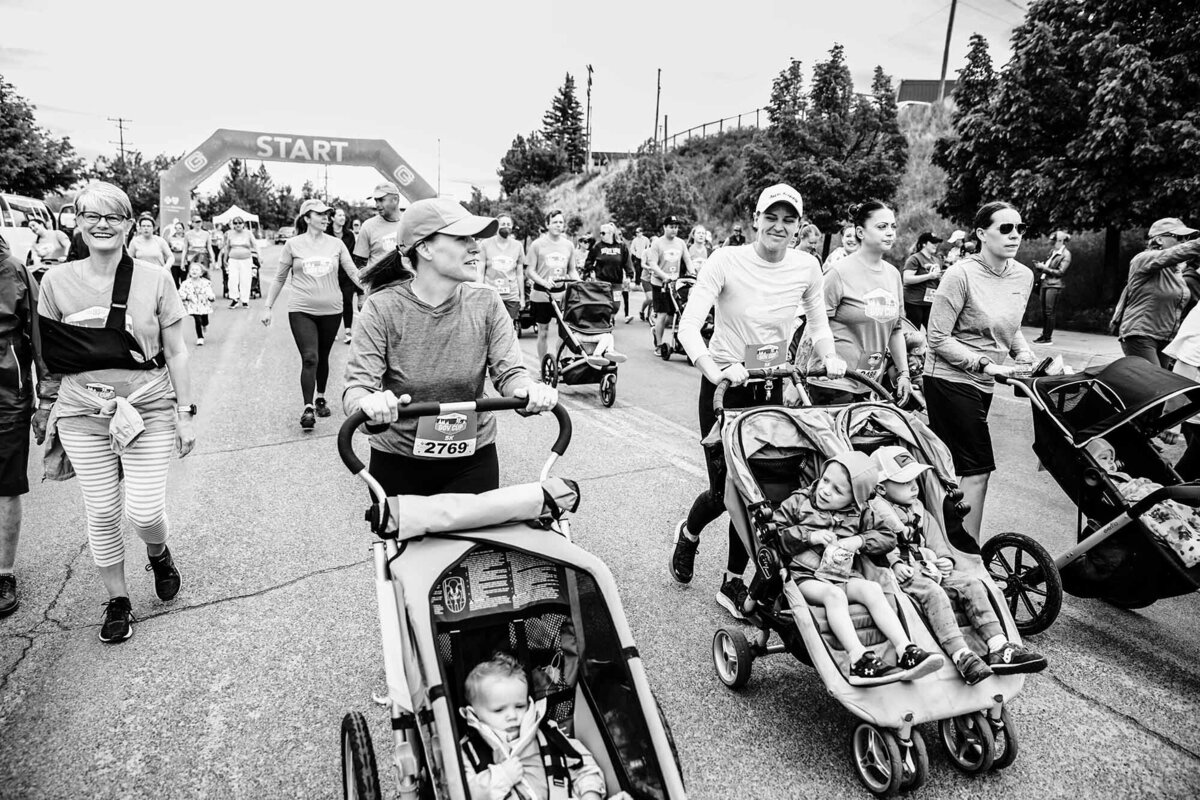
(450, 435)
(446, 449)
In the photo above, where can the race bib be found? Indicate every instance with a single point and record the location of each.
(930, 291)
(502, 285)
(761, 356)
(450, 435)
(317, 267)
(557, 262)
(881, 305)
(872, 365)
(670, 263)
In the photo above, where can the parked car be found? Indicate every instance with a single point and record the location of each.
(284, 233)
(15, 213)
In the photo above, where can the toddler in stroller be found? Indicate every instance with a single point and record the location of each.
(824, 529)
(513, 749)
(930, 579)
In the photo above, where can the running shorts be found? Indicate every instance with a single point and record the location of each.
(958, 414)
(14, 457)
(543, 313)
(662, 300)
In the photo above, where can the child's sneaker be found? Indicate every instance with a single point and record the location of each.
(916, 663)
(972, 668)
(1012, 658)
(732, 596)
(871, 670)
(683, 557)
(200, 342)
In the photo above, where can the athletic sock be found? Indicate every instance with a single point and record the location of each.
(995, 643)
(958, 654)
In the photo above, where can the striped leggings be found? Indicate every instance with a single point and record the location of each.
(98, 469)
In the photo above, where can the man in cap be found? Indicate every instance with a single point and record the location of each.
(1148, 312)
(666, 259)
(378, 235)
(737, 238)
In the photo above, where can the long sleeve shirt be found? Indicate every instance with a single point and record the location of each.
(1156, 292)
(799, 517)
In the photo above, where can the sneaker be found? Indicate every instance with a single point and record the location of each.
(233, 303)
(683, 557)
(245, 305)
(1042, 340)
(628, 318)
(347, 339)
(166, 577)
(200, 342)
(322, 407)
(732, 597)
(870, 669)
(8, 595)
(1012, 658)
(118, 621)
(972, 668)
(308, 420)
(916, 663)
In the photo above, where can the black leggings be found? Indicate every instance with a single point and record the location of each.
(201, 321)
(472, 474)
(348, 293)
(709, 505)
(314, 335)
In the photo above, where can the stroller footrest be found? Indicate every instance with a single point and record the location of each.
(864, 625)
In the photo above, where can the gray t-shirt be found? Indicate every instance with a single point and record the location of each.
(376, 239)
(313, 265)
(437, 354)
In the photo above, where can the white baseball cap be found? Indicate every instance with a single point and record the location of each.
(780, 193)
(957, 236)
(897, 464)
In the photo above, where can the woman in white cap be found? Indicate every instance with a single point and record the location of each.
(758, 290)
(313, 259)
(428, 332)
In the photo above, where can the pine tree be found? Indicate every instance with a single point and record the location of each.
(963, 154)
(562, 125)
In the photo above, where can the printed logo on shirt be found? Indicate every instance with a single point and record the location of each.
(503, 263)
(670, 262)
(881, 305)
(450, 424)
(557, 262)
(388, 241)
(94, 317)
(317, 267)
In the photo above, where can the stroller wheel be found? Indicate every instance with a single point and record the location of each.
(550, 369)
(914, 761)
(1006, 740)
(360, 777)
(1027, 576)
(732, 658)
(877, 759)
(608, 389)
(969, 742)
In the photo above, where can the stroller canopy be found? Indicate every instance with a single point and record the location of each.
(588, 307)
(774, 432)
(904, 426)
(1133, 390)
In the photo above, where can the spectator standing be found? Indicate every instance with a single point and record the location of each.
(737, 238)
(1052, 271)
(922, 271)
(1149, 310)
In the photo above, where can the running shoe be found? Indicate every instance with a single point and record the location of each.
(1012, 658)
(1043, 340)
(628, 318)
(166, 577)
(972, 668)
(916, 663)
(732, 597)
(245, 305)
(308, 420)
(347, 339)
(118, 621)
(322, 407)
(870, 670)
(8, 595)
(233, 303)
(683, 557)
(200, 342)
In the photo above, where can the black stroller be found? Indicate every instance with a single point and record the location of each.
(585, 330)
(1118, 558)
(679, 291)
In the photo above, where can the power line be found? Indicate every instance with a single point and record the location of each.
(121, 123)
(988, 14)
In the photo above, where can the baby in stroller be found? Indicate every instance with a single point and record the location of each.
(1171, 522)
(930, 579)
(512, 750)
(824, 528)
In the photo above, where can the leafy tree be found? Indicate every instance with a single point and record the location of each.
(481, 204)
(562, 125)
(137, 176)
(1095, 121)
(32, 161)
(834, 146)
(960, 153)
(652, 187)
(531, 160)
(527, 206)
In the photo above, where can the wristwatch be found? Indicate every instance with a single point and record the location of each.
(187, 410)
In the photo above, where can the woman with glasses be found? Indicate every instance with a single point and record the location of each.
(974, 326)
(237, 256)
(149, 246)
(138, 356)
(313, 258)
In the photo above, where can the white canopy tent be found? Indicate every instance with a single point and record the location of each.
(232, 213)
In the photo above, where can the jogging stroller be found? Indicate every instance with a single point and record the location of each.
(585, 331)
(460, 576)
(771, 451)
(1117, 557)
(679, 290)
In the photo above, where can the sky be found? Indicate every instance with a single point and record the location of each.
(447, 84)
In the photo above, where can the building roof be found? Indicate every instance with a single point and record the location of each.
(921, 91)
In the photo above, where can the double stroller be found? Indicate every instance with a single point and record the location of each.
(458, 577)
(585, 339)
(679, 290)
(771, 451)
(1118, 556)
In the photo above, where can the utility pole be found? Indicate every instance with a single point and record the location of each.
(439, 166)
(946, 52)
(121, 123)
(587, 166)
(657, 97)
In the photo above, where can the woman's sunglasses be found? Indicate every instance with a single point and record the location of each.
(1007, 228)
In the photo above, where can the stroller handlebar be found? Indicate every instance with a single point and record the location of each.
(790, 371)
(350, 425)
(1186, 493)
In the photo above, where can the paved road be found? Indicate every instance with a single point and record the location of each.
(237, 688)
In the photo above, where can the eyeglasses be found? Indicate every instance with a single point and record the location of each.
(92, 218)
(239, 222)
(1007, 228)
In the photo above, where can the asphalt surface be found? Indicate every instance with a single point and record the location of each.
(237, 687)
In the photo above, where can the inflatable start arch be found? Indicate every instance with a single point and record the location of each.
(176, 184)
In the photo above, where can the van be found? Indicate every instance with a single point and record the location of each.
(15, 213)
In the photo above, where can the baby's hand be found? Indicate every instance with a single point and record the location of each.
(931, 571)
(903, 571)
(512, 769)
(823, 538)
(945, 564)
